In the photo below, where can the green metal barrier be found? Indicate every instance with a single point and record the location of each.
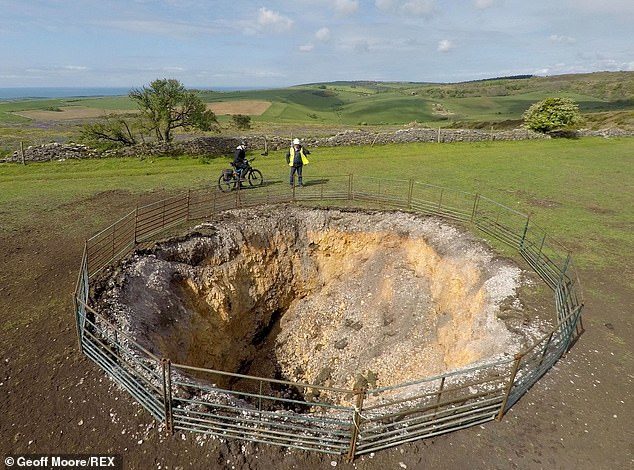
(379, 418)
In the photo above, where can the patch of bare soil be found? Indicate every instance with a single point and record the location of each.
(69, 113)
(439, 110)
(55, 400)
(248, 107)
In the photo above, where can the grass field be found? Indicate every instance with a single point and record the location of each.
(326, 108)
(578, 415)
(580, 190)
(379, 103)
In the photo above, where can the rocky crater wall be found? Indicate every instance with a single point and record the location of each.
(318, 296)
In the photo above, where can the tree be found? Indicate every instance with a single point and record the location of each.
(166, 105)
(553, 114)
(114, 130)
(241, 121)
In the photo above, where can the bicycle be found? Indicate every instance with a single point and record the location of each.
(229, 179)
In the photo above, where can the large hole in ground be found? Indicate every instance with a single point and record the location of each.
(321, 297)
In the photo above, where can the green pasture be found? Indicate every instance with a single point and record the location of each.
(580, 191)
(395, 103)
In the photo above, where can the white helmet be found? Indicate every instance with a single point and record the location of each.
(296, 141)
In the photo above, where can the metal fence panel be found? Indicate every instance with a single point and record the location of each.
(384, 417)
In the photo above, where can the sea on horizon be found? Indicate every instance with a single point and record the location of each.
(18, 93)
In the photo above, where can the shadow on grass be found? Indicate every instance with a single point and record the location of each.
(316, 182)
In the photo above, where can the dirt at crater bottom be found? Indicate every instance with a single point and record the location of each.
(322, 296)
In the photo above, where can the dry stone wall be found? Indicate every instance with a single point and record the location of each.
(223, 145)
(53, 151)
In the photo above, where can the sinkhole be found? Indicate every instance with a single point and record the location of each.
(323, 296)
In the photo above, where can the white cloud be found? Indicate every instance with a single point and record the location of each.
(346, 7)
(323, 34)
(445, 45)
(385, 4)
(483, 4)
(306, 47)
(265, 74)
(419, 7)
(621, 7)
(361, 46)
(272, 20)
(169, 28)
(408, 7)
(562, 39)
(76, 68)
(586, 65)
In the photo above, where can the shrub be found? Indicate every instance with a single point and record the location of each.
(241, 121)
(553, 114)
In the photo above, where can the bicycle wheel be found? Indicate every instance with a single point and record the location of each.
(226, 185)
(255, 178)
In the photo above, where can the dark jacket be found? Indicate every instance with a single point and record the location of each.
(239, 157)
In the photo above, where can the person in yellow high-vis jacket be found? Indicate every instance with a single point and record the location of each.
(296, 159)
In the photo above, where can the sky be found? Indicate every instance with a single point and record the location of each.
(271, 43)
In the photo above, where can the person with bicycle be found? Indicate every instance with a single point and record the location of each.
(296, 159)
(240, 162)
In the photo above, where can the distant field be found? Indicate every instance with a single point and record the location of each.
(248, 107)
(606, 99)
(381, 103)
(66, 113)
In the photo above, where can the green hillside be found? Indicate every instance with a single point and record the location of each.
(354, 103)
(607, 99)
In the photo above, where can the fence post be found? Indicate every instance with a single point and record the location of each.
(356, 421)
(564, 269)
(77, 307)
(543, 355)
(166, 365)
(136, 223)
(442, 190)
(260, 401)
(113, 231)
(350, 198)
(439, 394)
(189, 195)
(163, 214)
(516, 365)
(528, 218)
(409, 194)
(575, 327)
(475, 207)
(22, 152)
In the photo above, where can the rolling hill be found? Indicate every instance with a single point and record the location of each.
(606, 99)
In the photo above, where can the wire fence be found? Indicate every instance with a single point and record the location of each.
(203, 401)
